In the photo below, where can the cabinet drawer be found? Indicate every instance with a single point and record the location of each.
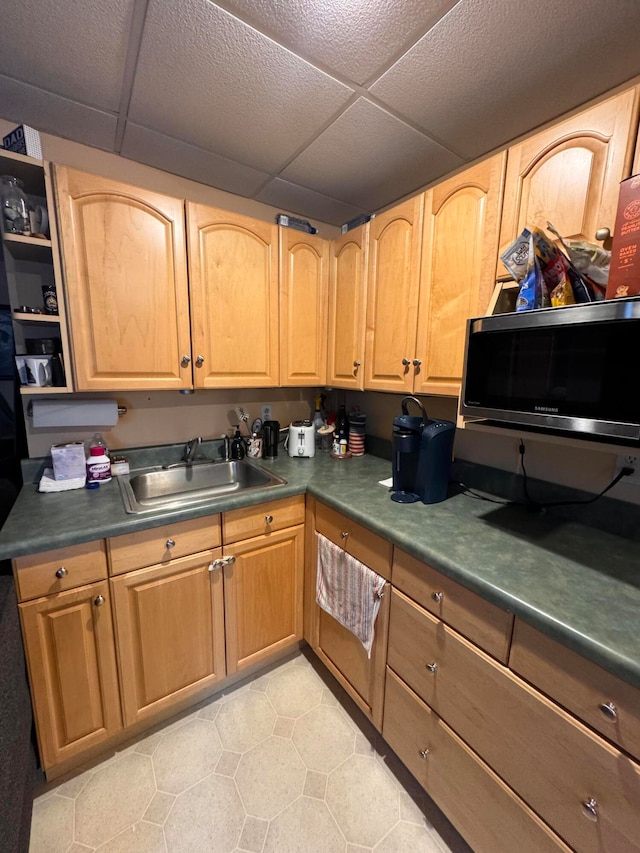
(263, 518)
(484, 810)
(471, 615)
(64, 568)
(551, 760)
(361, 543)
(163, 544)
(603, 701)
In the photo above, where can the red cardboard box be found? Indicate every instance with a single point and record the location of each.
(624, 274)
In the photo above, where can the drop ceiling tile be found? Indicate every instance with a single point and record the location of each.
(301, 201)
(354, 38)
(207, 78)
(367, 158)
(489, 72)
(180, 158)
(52, 114)
(76, 49)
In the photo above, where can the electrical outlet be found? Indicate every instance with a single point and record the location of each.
(266, 412)
(630, 460)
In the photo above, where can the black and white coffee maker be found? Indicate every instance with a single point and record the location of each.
(421, 456)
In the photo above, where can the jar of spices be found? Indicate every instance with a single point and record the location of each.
(15, 206)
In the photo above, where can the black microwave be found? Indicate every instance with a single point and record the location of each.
(575, 369)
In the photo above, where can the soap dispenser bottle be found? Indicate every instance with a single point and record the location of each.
(238, 449)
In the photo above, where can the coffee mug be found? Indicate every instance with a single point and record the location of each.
(38, 369)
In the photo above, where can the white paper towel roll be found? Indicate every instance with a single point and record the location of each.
(74, 413)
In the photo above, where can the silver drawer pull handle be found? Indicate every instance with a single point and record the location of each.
(380, 595)
(268, 519)
(344, 534)
(590, 809)
(437, 596)
(170, 543)
(217, 564)
(229, 561)
(62, 572)
(610, 711)
(432, 667)
(99, 601)
(424, 754)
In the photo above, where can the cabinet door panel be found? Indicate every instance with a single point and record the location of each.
(233, 267)
(170, 630)
(72, 666)
(460, 240)
(126, 280)
(304, 274)
(347, 301)
(392, 296)
(263, 596)
(569, 174)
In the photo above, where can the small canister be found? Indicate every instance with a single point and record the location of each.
(98, 466)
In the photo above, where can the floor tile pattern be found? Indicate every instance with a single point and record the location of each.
(284, 763)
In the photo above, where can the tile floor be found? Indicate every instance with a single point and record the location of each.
(281, 764)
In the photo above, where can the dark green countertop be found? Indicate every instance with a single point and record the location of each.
(576, 583)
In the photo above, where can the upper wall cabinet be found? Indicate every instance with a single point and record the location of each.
(393, 296)
(460, 241)
(233, 268)
(126, 282)
(304, 274)
(347, 304)
(569, 174)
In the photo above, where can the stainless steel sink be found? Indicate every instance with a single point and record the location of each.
(180, 486)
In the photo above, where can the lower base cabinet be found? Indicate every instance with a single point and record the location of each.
(483, 809)
(70, 650)
(170, 633)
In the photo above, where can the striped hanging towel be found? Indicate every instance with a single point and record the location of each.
(348, 590)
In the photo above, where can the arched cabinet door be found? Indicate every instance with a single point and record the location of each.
(125, 266)
(569, 174)
(395, 239)
(460, 240)
(233, 280)
(347, 301)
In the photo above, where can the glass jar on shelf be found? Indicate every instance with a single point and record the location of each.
(15, 206)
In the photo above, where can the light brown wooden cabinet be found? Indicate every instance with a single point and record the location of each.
(347, 309)
(233, 279)
(459, 245)
(304, 280)
(170, 633)
(569, 174)
(338, 649)
(71, 657)
(125, 265)
(393, 297)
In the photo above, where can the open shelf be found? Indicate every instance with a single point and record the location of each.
(28, 248)
(35, 390)
(27, 169)
(36, 318)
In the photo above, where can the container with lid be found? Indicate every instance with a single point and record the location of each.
(98, 466)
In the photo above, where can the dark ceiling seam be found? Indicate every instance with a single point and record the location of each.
(138, 17)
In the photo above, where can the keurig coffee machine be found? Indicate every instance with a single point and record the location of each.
(421, 456)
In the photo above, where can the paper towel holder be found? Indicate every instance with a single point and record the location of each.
(122, 410)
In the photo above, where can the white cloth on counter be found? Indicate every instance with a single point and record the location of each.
(348, 590)
(48, 483)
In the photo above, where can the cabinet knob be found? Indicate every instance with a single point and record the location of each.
(62, 572)
(424, 754)
(98, 600)
(406, 362)
(357, 363)
(610, 711)
(170, 543)
(603, 234)
(186, 360)
(344, 534)
(199, 361)
(268, 519)
(590, 809)
(416, 362)
(437, 596)
(432, 667)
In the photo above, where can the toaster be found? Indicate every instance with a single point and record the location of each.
(302, 439)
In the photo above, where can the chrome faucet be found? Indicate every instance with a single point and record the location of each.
(227, 448)
(191, 449)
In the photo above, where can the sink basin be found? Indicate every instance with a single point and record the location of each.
(180, 486)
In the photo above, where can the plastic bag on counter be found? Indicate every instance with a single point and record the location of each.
(589, 264)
